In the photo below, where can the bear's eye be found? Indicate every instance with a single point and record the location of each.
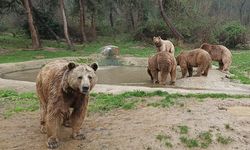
(90, 78)
(80, 77)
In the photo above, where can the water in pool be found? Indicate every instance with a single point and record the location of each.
(122, 75)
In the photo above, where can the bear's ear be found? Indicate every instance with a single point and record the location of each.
(159, 37)
(71, 65)
(94, 66)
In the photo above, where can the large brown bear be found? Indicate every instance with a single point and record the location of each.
(61, 85)
(165, 63)
(219, 53)
(194, 58)
(163, 45)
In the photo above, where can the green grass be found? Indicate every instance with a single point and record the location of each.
(15, 103)
(189, 142)
(241, 66)
(205, 139)
(18, 48)
(101, 102)
(162, 137)
(165, 139)
(183, 129)
(223, 139)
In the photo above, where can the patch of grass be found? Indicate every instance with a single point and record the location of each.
(206, 139)
(15, 102)
(161, 137)
(168, 144)
(165, 139)
(106, 102)
(18, 48)
(102, 102)
(189, 142)
(165, 102)
(241, 66)
(183, 129)
(223, 139)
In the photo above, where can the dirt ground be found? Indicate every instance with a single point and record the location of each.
(136, 129)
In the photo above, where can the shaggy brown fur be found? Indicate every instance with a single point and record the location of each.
(220, 54)
(162, 62)
(61, 85)
(194, 58)
(163, 45)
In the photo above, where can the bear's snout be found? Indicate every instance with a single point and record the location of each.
(85, 89)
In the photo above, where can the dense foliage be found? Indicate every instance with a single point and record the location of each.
(215, 21)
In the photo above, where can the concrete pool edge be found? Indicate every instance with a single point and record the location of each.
(25, 86)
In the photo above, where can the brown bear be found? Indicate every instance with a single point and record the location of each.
(220, 54)
(194, 58)
(165, 63)
(163, 45)
(61, 85)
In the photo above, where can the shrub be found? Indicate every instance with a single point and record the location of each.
(232, 34)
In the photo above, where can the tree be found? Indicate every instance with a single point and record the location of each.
(65, 25)
(241, 10)
(168, 22)
(82, 21)
(33, 31)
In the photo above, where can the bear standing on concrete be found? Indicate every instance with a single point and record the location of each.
(165, 63)
(61, 85)
(194, 58)
(163, 45)
(219, 53)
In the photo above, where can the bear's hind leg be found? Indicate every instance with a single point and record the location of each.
(220, 65)
(164, 76)
(199, 70)
(226, 64)
(155, 76)
(184, 72)
(173, 76)
(206, 71)
(190, 71)
(149, 73)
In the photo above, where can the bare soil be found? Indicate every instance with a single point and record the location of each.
(137, 129)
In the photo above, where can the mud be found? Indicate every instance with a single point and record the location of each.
(137, 128)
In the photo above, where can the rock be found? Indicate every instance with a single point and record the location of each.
(110, 51)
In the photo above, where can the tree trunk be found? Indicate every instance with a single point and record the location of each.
(111, 17)
(33, 31)
(132, 19)
(65, 25)
(168, 22)
(93, 25)
(82, 21)
(241, 11)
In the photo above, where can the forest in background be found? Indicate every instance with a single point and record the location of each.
(224, 22)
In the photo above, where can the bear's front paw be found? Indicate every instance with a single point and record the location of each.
(53, 143)
(78, 136)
